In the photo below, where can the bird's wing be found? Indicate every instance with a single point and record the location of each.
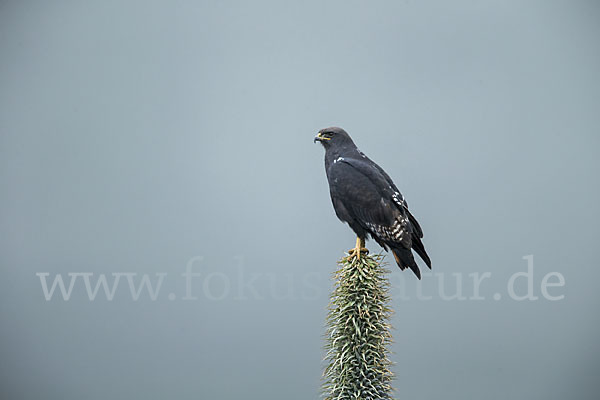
(366, 194)
(397, 196)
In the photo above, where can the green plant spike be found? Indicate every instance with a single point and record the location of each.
(358, 332)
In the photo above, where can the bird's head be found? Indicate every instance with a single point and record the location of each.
(333, 137)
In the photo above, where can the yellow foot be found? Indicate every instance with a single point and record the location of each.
(360, 248)
(356, 252)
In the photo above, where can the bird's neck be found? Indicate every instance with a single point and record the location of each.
(343, 151)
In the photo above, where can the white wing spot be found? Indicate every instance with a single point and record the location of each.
(398, 199)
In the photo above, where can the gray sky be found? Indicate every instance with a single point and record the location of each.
(135, 136)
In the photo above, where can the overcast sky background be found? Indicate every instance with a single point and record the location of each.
(137, 135)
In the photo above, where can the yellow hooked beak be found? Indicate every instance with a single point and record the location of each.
(321, 138)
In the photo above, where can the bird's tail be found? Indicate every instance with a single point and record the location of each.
(417, 245)
(404, 259)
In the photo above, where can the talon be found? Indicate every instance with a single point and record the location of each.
(360, 248)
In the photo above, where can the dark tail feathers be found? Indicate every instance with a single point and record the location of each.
(417, 245)
(404, 257)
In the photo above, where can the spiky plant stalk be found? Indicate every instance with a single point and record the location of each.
(358, 332)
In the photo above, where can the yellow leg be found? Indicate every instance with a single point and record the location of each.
(360, 248)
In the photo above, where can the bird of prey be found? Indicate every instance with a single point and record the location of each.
(366, 198)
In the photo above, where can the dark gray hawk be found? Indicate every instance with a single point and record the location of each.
(365, 197)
